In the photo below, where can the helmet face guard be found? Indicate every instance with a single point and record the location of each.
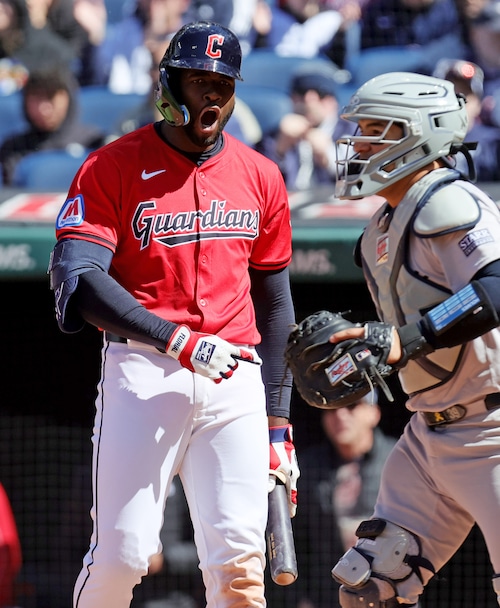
(205, 46)
(432, 118)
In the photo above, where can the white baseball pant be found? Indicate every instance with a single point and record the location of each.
(155, 419)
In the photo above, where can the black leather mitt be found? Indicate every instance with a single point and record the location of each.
(331, 376)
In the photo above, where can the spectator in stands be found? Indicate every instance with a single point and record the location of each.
(92, 17)
(13, 72)
(146, 111)
(480, 20)
(237, 15)
(123, 60)
(10, 552)
(50, 105)
(406, 22)
(34, 35)
(412, 34)
(338, 488)
(346, 40)
(303, 146)
(468, 79)
(298, 28)
(55, 34)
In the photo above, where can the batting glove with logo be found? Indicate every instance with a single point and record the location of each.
(207, 355)
(283, 463)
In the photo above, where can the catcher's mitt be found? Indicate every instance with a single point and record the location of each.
(331, 376)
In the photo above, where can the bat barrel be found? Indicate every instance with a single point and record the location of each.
(279, 536)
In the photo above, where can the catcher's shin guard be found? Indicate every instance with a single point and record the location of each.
(496, 586)
(386, 560)
(370, 595)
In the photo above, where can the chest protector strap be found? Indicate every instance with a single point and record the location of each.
(399, 293)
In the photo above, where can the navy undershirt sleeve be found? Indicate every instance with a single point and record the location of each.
(103, 302)
(275, 317)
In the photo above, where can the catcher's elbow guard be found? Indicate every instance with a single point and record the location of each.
(440, 327)
(472, 306)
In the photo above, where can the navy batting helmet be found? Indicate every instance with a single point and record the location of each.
(203, 45)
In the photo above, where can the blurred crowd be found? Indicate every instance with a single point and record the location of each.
(52, 52)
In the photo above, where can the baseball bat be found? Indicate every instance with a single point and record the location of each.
(279, 538)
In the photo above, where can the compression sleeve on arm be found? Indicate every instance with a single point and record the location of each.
(467, 314)
(86, 292)
(275, 316)
(103, 302)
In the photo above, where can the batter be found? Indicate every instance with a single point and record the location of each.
(175, 240)
(431, 258)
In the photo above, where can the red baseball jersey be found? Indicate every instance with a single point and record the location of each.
(183, 236)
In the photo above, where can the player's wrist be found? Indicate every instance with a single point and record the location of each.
(281, 433)
(413, 344)
(283, 464)
(181, 344)
(277, 421)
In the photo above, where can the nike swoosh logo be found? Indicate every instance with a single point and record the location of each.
(145, 175)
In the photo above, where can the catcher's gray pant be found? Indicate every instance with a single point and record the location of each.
(437, 483)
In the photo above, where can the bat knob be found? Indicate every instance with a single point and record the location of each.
(285, 578)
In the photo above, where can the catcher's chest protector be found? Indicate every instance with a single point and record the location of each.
(401, 296)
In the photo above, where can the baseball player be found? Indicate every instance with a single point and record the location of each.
(431, 259)
(175, 241)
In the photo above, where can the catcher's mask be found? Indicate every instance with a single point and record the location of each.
(203, 45)
(433, 121)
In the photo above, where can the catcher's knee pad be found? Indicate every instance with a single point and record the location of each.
(390, 557)
(496, 586)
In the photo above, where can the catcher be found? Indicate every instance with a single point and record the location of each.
(431, 259)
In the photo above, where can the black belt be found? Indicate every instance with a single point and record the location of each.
(114, 338)
(457, 412)
(492, 401)
(447, 416)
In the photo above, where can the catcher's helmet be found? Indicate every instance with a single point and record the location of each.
(434, 123)
(202, 45)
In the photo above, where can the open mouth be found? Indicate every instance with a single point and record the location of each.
(209, 118)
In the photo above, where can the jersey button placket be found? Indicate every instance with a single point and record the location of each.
(203, 269)
(203, 191)
(203, 258)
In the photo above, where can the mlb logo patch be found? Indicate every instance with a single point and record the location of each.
(72, 213)
(339, 370)
(204, 353)
(362, 354)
